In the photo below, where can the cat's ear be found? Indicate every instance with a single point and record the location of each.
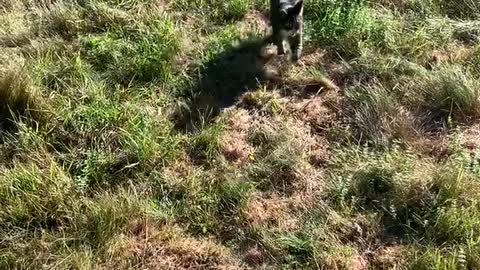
(295, 10)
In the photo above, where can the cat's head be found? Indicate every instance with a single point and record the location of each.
(289, 15)
(291, 10)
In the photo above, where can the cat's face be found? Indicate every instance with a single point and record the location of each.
(289, 16)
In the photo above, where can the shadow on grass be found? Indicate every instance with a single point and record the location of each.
(224, 79)
(221, 82)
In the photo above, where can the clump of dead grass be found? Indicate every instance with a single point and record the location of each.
(375, 115)
(461, 9)
(274, 211)
(18, 97)
(282, 154)
(234, 146)
(157, 246)
(14, 26)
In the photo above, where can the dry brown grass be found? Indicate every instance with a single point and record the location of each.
(233, 143)
(316, 111)
(15, 28)
(271, 211)
(19, 97)
(155, 246)
(469, 137)
(388, 257)
(456, 53)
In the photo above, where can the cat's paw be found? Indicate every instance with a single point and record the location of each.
(268, 51)
(295, 58)
(280, 50)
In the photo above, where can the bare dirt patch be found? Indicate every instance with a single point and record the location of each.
(320, 152)
(434, 146)
(358, 263)
(234, 147)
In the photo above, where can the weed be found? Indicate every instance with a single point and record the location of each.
(94, 170)
(205, 145)
(434, 259)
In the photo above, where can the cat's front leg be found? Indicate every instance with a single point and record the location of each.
(296, 44)
(278, 41)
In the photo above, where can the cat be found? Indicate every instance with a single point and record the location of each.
(286, 17)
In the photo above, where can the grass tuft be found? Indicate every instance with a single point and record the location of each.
(463, 9)
(450, 91)
(31, 197)
(19, 98)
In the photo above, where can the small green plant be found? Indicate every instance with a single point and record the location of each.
(149, 141)
(94, 170)
(300, 248)
(456, 224)
(205, 144)
(374, 184)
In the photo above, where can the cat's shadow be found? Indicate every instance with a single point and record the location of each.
(222, 81)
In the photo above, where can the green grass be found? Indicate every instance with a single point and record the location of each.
(219, 12)
(145, 134)
(144, 53)
(343, 23)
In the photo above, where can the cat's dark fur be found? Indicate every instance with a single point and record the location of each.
(286, 17)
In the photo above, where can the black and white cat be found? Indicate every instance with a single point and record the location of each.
(286, 17)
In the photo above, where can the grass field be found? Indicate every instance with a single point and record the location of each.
(150, 134)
